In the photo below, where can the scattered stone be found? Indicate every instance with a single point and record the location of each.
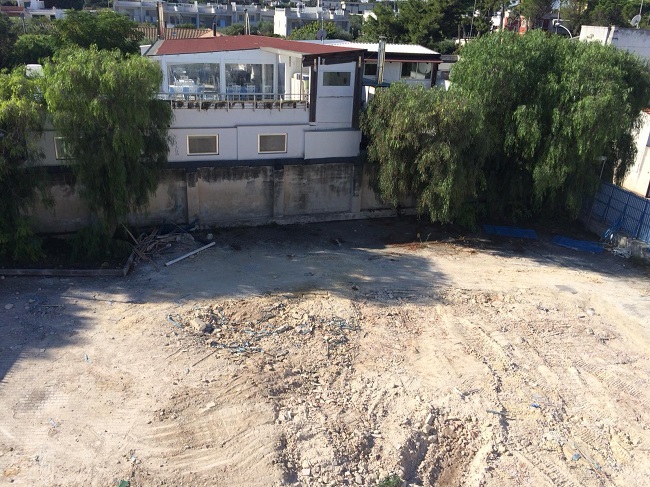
(306, 472)
(200, 325)
(9, 306)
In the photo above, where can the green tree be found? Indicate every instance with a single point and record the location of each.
(8, 37)
(106, 30)
(534, 10)
(308, 31)
(421, 22)
(550, 108)
(21, 125)
(427, 143)
(32, 48)
(104, 106)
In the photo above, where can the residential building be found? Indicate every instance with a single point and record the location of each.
(265, 130)
(286, 20)
(407, 63)
(201, 15)
(30, 9)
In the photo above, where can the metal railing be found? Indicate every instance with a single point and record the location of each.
(227, 101)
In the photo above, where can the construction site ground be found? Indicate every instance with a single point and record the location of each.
(350, 353)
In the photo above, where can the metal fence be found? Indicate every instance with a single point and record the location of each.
(619, 207)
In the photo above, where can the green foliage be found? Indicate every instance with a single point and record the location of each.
(421, 22)
(8, 37)
(105, 29)
(21, 125)
(550, 107)
(448, 46)
(425, 143)
(603, 13)
(32, 48)
(188, 25)
(308, 32)
(265, 28)
(105, 107)
(391, 481)
(233, 30)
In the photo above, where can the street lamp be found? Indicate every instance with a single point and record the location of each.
(558, 23)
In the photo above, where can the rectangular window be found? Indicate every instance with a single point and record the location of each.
(194, 78)
(270, 143)
(336, 78)
(370, 70)
(200, 145)
(416, 70)
(61, 151)
(249, 79)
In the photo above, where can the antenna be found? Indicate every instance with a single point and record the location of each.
(635, 21)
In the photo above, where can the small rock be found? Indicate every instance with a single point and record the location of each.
(358, 479)
(209, 236)
(306, 464)
(200, 325)
(9, 306)
(306, 472)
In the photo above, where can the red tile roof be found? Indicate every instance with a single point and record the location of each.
(12, 10)
(242, 43)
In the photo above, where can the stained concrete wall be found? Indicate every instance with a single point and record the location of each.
(233, 195)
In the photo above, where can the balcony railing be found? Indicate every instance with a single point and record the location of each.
(233, 101)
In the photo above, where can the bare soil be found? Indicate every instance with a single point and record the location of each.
(332, 354)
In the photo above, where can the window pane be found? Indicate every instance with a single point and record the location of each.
(193, 78)
(60, 149)
(272, 143)
(370, 70)
(249, 78)
(336, 78)
(202, 144)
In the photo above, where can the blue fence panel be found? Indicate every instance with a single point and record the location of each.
(611, 203)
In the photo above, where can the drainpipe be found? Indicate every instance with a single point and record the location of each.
(247, 28)
(381, 58)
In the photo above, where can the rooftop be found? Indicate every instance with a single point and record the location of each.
(243, 43)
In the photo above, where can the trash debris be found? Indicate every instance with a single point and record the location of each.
(535, 405)
(173, 321)
(124, 483)
(173, 261)
(622, 252)
(576, 457)
(53, 423)
(87, 358)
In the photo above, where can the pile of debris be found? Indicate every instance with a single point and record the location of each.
(274, 330)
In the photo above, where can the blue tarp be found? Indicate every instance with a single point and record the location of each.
(582, 245)
(510, 232)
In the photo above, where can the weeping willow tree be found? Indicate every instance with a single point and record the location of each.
(520, 134)
(22, 116)
(114, 129)
(552, 108)
(423, 146)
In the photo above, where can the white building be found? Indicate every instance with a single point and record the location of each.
(286, 20)
(199, 14)
(30, 9)
(407, 63)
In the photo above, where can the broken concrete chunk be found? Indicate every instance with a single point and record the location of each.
(199, 325)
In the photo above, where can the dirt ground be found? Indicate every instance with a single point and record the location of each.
(332, 354)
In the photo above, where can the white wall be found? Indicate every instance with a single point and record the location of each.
(332, 143)
(335, 103)
(636, 41)
(638, 179)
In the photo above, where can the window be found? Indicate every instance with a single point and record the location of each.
(61, 151)
(270, 143)
(200, 145)
(370, 70)
(249, 78)
(416, 70)
(336, 78)
(193, 78)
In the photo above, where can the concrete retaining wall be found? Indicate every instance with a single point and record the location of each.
(233, 195)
